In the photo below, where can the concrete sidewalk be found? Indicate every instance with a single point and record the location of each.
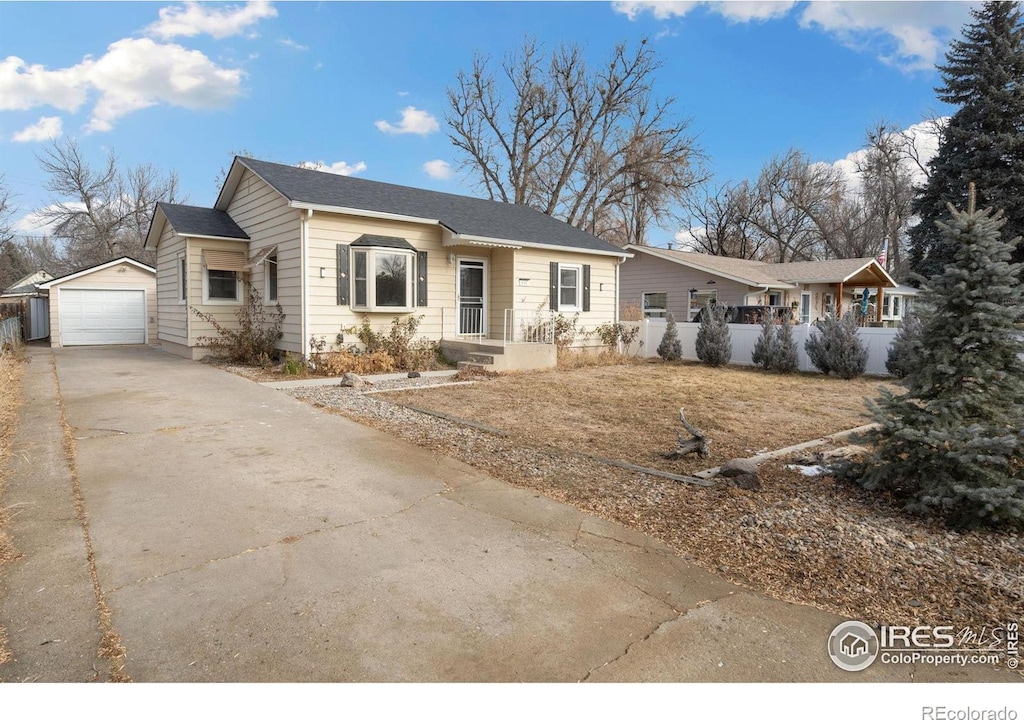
(242, 535)
(47, 602)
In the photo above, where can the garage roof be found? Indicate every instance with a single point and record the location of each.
(95, 268)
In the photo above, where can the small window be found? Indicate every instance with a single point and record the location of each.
(699, 299)
(270, 265)
(775, 299)
(383, 279)
(655, 304)
(569, 287)
(221, 285)
(182, 279)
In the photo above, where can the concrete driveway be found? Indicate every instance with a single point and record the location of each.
(242, 535)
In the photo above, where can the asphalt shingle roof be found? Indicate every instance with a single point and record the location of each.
(756, 272)
(192, 220)
(463, 215)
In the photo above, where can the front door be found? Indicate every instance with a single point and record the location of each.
(472, 299)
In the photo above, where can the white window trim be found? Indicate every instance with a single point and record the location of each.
(207, 300)
(371, 280)
(578, 305)
(271, 260)
(694, 306)
(182, 278)
(810, 308)
(662, 312)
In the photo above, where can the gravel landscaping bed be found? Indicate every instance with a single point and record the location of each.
(808, 540)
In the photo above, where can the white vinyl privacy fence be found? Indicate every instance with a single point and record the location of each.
(744, 337)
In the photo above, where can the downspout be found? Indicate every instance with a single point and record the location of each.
(304, 279)
(617, 265)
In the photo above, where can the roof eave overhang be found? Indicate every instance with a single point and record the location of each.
(779, 285)
(453, 239)
(156, 229)
(194, 236)
(315, 207)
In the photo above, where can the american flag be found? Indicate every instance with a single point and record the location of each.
(883, 256)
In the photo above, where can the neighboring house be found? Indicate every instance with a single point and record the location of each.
(113, 303)
(335, 250)
(32, 304)
(897, 303)
(664, 281)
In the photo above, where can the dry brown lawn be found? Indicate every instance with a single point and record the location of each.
(630, 412)
(10, 391)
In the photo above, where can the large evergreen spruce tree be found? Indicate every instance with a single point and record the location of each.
(984, 139)
(953, 444)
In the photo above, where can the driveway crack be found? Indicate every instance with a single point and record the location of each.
(287, 540)
(640, 641)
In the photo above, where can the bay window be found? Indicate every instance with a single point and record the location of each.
(382, 279)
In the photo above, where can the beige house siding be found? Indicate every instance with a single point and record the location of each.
(327, 319)
(268, 220)
(123, 276)
(533, 266)
(224, 312)
(172, 314)
(644, 273)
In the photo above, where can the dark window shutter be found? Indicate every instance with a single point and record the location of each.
(586, 288)
(553, 300)
(343, 270)
(421, 279)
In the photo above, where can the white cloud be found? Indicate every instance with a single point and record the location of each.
(47, 128)
(24, 86)
(289, 43)
(339, 168)
(136, 73)
(35, 222)
(194, 18)
(414, 122)
(403, 93)
(738, 11)
(909, 35)
(926, 145)
(438, 169)
(920, 31)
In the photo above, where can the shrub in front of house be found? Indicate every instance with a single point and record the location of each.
(253, 341)
(714, 346)
(903, 351)
(670, 348)
(835, 348)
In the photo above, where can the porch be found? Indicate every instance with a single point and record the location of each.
(524, 340)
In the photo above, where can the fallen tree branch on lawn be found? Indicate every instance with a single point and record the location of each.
(699, 442)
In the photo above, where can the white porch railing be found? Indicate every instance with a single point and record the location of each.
(528, 326)
(470, 323)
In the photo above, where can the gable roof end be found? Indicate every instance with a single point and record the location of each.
(95, 268)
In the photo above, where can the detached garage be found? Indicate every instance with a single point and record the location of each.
(109, 304)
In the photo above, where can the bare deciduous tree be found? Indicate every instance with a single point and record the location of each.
(718, 223)
(592, 146)
(100, 212)
(887, 192)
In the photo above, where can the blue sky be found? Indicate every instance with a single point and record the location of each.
(360, 87)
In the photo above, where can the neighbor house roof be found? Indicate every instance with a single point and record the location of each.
(861, 271)
(28, 284)
(472, 219)
(749, 272)
(95, 268)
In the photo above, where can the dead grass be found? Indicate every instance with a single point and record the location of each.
(630, 412)
(110, 647)
(11, 369)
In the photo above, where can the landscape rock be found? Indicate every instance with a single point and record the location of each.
(738, 466)
(413, 374)
(745, 481)
(353, 381)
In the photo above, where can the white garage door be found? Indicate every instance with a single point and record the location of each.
(102, 317)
